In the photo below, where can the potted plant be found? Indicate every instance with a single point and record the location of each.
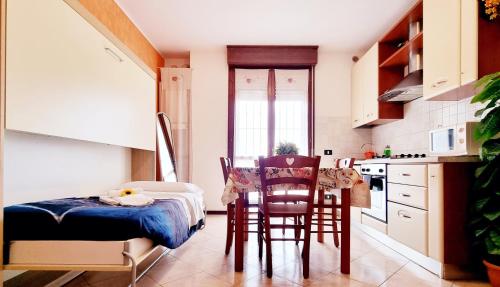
(286, 148)
(485, 211)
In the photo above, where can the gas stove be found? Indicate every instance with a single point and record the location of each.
(403, 155)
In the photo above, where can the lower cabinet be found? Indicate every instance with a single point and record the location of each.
(408, 225)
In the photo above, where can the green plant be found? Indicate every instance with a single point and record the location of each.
(286, 148)
(485, 211)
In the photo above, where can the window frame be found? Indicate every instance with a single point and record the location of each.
(272, 58)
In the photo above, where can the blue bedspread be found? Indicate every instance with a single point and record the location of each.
(164, 221)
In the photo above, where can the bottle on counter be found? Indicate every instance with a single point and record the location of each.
(387, 151)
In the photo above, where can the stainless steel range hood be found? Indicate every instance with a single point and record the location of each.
(407, 90)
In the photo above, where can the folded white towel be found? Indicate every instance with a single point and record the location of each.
(134, 200)
(127, 197)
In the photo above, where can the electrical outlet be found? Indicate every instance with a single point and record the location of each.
(328, 152)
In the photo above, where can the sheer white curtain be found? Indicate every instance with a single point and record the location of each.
(251, 116)
(175, 101)
(291, 108)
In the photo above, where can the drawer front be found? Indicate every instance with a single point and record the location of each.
(407, 194)
(408, 225)
(407, 174)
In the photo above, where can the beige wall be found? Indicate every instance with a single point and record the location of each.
(333, 109)
(209, 122)
(209, 107)
(40, 167)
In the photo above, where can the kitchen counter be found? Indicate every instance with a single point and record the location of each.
(431, 159)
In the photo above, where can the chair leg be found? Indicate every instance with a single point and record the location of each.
(296, 222)
(335, 227)
(245, 227)
(306, 248)
(269, 255)
(260, 233)
(230, 229)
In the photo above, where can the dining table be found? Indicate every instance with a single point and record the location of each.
(354, 192)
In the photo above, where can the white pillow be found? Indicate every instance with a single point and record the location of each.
(160, 186)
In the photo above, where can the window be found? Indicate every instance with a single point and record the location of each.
(270, 107)
(271, 100)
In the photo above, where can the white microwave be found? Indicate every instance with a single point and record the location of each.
(454, 140)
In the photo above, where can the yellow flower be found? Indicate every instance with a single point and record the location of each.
(127, 191)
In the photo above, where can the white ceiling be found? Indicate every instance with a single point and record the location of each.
(175, 26)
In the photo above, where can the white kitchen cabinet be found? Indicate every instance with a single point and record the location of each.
(72, 81)
(436, 211)
(450, 46)
(408, 225)
(468, 42)
(364, 94)
(356, 101)
(441, 47)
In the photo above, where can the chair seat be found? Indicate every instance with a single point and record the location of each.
(279, 209)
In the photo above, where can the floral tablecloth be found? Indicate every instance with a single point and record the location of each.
(247, 179)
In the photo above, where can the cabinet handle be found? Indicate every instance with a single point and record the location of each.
(113, 54)
(405, 174)
(405, 195)
(402, 214)
(355, 120)
(439, 83)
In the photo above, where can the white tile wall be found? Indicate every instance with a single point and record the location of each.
(336, 133)
(411, 134)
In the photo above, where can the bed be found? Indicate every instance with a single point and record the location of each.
(85, 234)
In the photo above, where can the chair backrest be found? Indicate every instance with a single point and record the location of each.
(284, 162)
(344, 162)
(226, 165)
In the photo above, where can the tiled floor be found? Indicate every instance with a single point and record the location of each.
(201, 262)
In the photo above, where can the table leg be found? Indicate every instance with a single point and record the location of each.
(238, 236)
(321, 201)
(345, 224)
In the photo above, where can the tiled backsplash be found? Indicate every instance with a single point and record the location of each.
(336, 133)
(411, 134)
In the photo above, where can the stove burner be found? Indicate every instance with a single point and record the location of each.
(411, 155)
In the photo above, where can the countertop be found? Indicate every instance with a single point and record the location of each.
(430, 159)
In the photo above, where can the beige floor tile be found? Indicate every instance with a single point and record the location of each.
(200, 279)
(262, 280)
(412, 271)
(165, 272)
(368, 274)
(382, 260)
(293, 272)
(334, 280)
(398, 280)
(227, 273)
(471, 283)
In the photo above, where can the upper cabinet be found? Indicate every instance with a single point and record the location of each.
(441, 47)
(364, 93)
(460, 46)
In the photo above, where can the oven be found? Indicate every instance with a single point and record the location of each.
(375, 175)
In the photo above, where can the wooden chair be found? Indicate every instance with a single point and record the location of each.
(231, 208)
(322, 218)
(273, 206)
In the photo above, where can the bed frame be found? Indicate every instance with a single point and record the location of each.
(84, 256)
